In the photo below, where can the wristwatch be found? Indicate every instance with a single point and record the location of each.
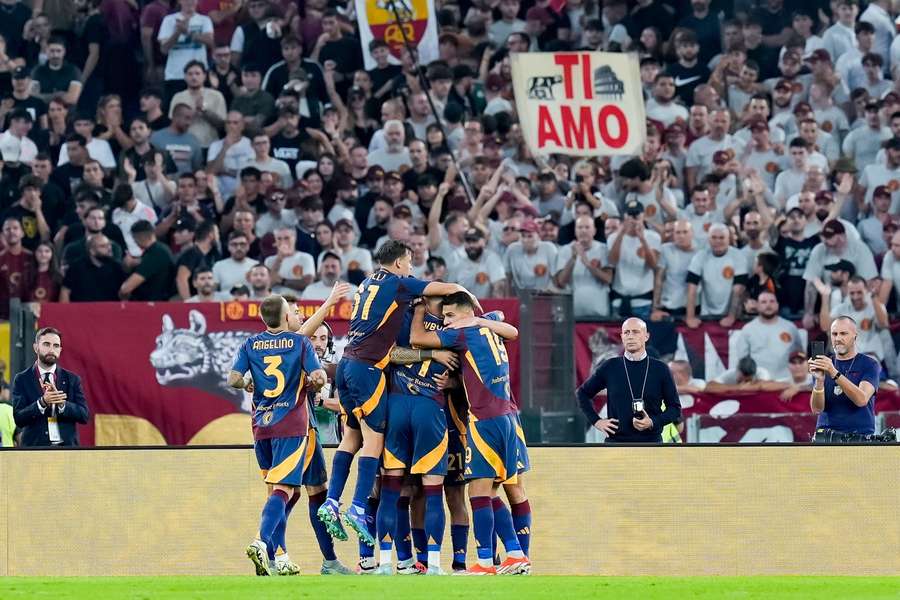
(836, 376)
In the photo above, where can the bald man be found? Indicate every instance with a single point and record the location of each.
(641, 394)
(844, 391)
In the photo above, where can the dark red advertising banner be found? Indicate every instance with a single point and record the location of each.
(154, 373)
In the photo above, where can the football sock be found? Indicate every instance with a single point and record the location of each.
(403, 540)
(365, 550)
(278, 536)
(367, 469)
(386, 519)
(340, 470)
(459, 535)
(483, 524)
(326, 544)
(435, 521)
(420, 542)
(521, 517)
(272, 513)
(503, 525)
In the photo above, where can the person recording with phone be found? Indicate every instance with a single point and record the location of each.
(843, 394)
(641, 394)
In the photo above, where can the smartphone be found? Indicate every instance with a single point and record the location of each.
(817, 349)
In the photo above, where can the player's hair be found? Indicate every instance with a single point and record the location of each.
(391, 251)
(461, 299)
(200, 270)
(47, 331)
(142, 227)
(270, 309)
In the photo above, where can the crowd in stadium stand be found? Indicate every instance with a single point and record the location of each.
(207, 150)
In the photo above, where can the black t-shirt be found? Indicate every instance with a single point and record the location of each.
(259, 47)
(767, 59)
(687, 79)
(794, 255)
(55, 81)
(193, 258)
(288, 148)
(306, 242)
(78, 250)
(158, 270)
(708, 32)
(160, 123)
(90, 283)
(76, 231)
(382, 76)
(136, 160)
(346, 54)
(410, 177)
(28, 218)
(67, 177)
(36, 107)
(12, 25)
(95, 32)
(654, 15)
(774, 23)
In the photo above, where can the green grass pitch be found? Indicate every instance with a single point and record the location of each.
(445, 588)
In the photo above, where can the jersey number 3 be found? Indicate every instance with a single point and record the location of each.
(272, 370)
(369, 294)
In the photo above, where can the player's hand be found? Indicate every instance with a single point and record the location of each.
(642, 424)
(442, 380)
(318, 378)
(340, 290)
(465, 322)
(607, 426)
(448, 358)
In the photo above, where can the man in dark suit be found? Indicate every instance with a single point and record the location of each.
(47, 400)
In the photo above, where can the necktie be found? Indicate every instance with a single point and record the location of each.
(47, 378)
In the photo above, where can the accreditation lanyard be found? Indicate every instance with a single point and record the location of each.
(628, 378)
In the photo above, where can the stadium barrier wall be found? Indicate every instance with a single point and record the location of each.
(687, 510)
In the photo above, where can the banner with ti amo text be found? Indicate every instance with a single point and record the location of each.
(378, 20)
(579, 103)
(154, 373)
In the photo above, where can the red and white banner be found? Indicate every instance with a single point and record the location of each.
(579, 103)
(378, 20)
(154, 373)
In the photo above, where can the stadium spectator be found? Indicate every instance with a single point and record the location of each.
(634, 254)
(721, 273)
(670, 288)
(582, 266)
(153, 277)
(233, 270)
(769, 338)
(48, 401)
(96, 277)
(864, 308)
(479, 269)
(746, 376)
(204, 282)
(530, 261)
(329, 274)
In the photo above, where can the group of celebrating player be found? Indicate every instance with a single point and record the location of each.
(424, 391)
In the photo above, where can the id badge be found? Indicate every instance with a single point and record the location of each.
(53, 430)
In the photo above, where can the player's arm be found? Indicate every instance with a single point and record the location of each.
(411, 356)
(439, 288)
(236, 380)
(418, 335)
(241, 365)
(133, 282)
(310, 326)
(504, 330)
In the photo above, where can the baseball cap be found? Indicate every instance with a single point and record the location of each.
(881, 190)
(841, 265)
(784, 84)
(634, 208)
(802, 107)
(393, 175)
(873, 104)
(676, 128)
(21, 73)
(721, 157)
(820, 54)
(825, 196)
(494, 82)
(832, 228)
(344, 223)
(473, 234)
(795, 209)
(758, 124)
(536, 13)
(375, 172)
(797, 354)
(529, 226)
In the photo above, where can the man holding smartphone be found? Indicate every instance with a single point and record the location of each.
(844, 391)
(642, 397)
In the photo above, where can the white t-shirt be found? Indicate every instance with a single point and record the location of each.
(717, 275)
(770, 345)
(666, 113)
(268, 222)
(589, 295)
(319, 290)
(701, 151)
(184, 50)
(868, 341)
(876, 174)
(295, 266)
(531, 271)
(21, 150)
(633, 277)
(890, 271)
(856, 252)
(675, 262)
(98, 149)
(235, 158)
(478, 276)
(229, 272)
(355, 258)
(276, 167)
(124, 220)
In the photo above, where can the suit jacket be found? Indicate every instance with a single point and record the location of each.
(26, 391)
